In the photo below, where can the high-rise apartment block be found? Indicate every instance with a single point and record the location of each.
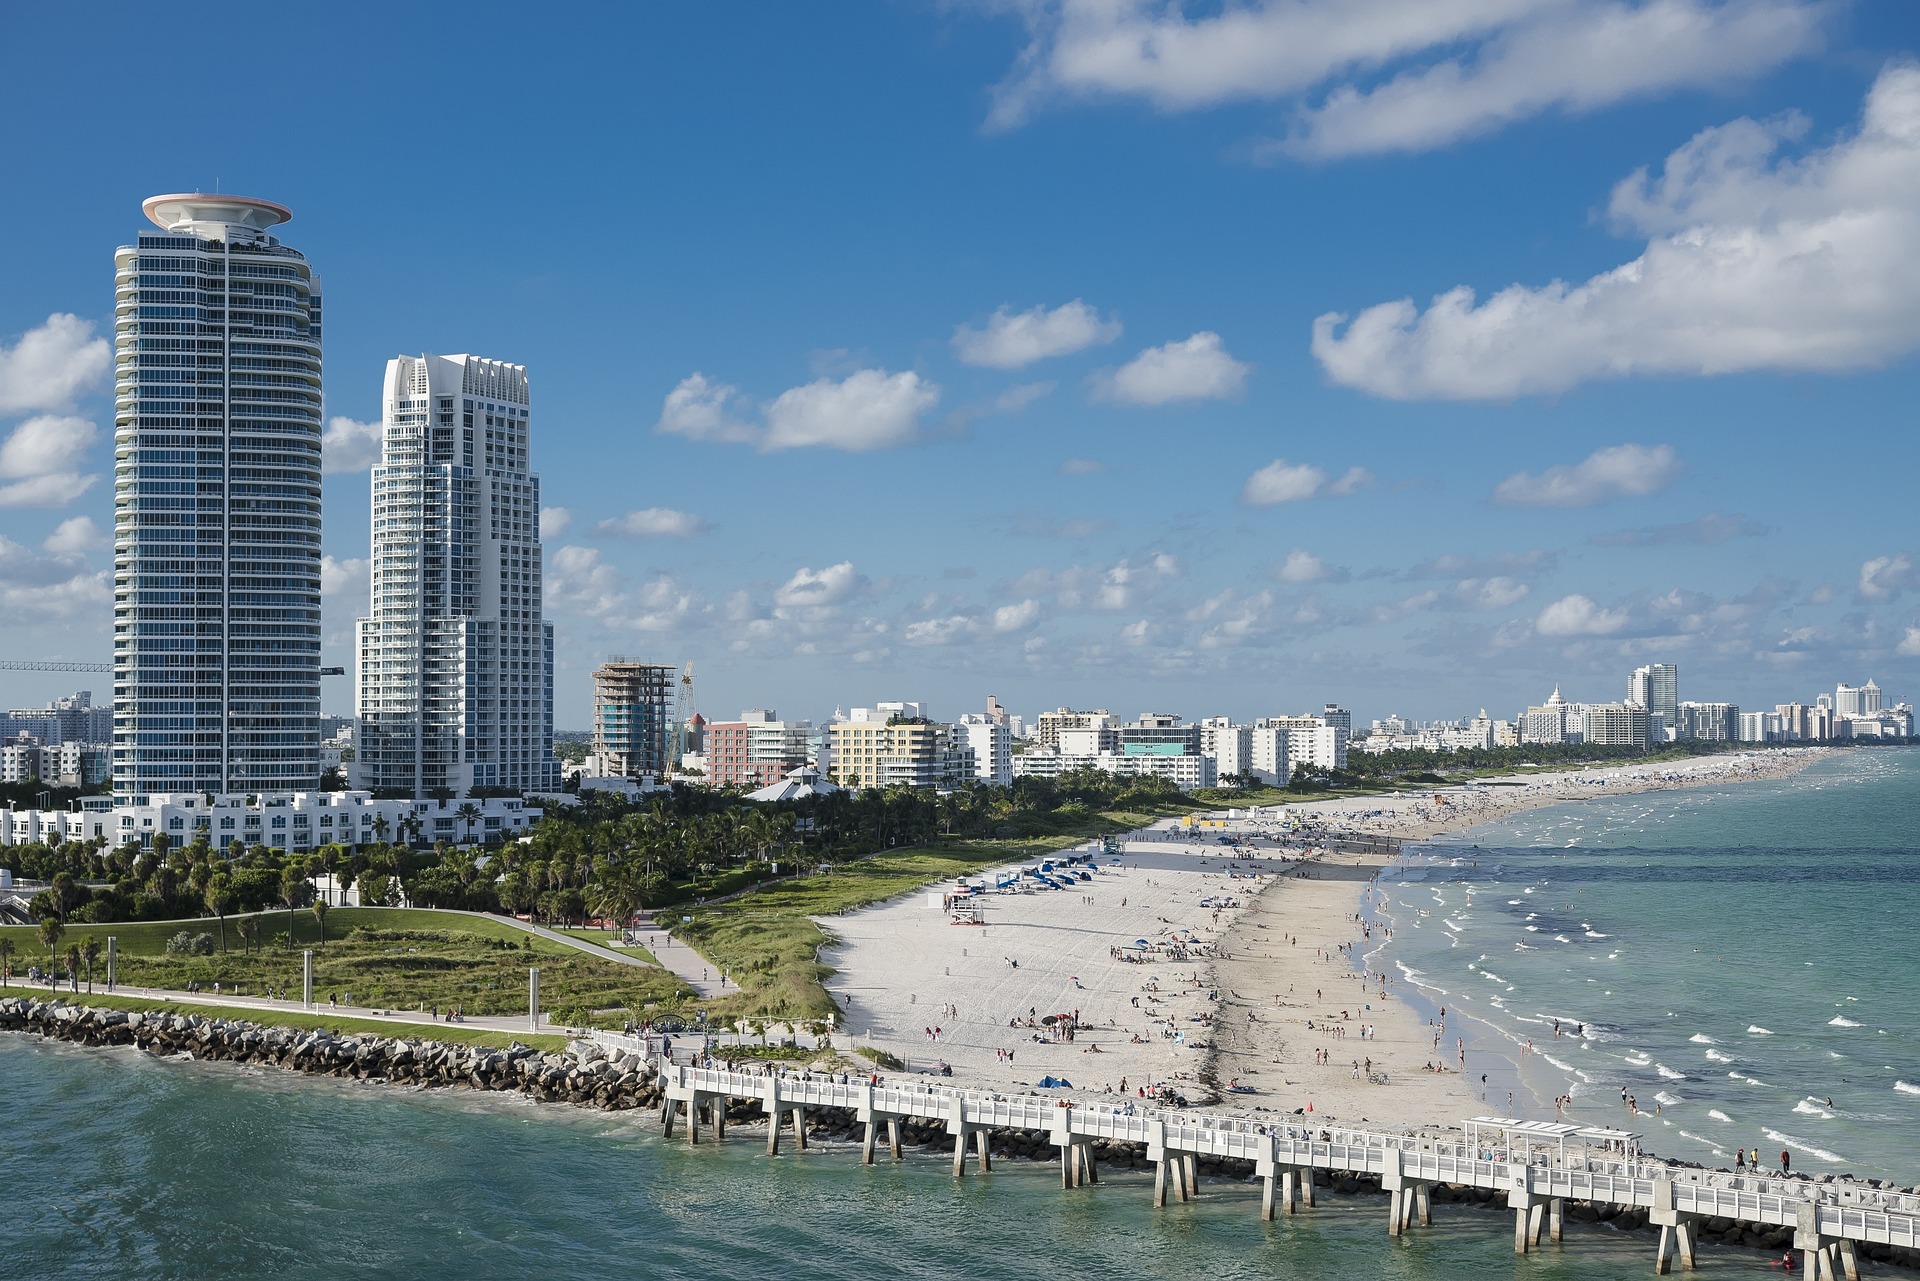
(633, 722)
(455, 660)
(1656, 687)
(216, 628)
(897, 744)
(991, 739)
(756, 751)
(1048, 725)
(1856, 700)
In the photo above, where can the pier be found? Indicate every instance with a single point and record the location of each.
(1539, 1166)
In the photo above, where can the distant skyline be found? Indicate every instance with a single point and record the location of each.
(1131, 355)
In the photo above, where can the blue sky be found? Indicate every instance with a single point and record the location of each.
(916, 350)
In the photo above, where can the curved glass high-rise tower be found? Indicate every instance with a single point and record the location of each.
(217, 422)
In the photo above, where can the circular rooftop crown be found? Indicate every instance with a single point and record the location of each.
(185, 209)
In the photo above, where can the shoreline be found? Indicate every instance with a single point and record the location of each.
(1290, 949)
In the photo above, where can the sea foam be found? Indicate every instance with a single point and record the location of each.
(1838, 1021)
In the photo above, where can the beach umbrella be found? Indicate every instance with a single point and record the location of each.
(1049, 1019)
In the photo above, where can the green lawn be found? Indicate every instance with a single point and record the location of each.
(604, 938)
(452, 1033)
(384, 957)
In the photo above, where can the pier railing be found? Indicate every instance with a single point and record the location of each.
(1826, 1214)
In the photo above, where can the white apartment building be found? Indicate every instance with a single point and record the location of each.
(455, 661)
(1857, 700)
(1260, 752)
(293, 822)
(56, 764)
(1184, 772)
(1311, 740)
(1656, 687)
(216, 503)
(992, 743)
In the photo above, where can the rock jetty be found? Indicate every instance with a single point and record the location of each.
(584, 1074)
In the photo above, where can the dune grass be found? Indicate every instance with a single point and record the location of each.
(383, 957)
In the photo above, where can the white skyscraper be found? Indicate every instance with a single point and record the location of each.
(455, 662)
(216, 503)
(1656, 687)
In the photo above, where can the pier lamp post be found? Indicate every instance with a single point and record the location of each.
(533, 998)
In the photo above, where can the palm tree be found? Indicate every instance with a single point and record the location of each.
(6, 960)
(219, 896)
(292, 883)
(320, 918)
(616, 898)
(73, 966)
(468, 813)
(249, 930)
(50, 931)
(380, 826)
(89, 953)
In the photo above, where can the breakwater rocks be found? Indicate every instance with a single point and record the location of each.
(584, 1074)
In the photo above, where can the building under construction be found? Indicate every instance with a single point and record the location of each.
(635, 724)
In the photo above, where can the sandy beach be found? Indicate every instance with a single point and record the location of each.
(1251, 976)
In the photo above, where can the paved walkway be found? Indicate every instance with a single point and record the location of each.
(516, 1024)
(700, 974)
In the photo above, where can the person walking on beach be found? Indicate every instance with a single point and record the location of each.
(1786, 1161)
(1739, 1160)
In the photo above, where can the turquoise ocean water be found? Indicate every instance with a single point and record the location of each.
(1740, 956)
(121, 1166)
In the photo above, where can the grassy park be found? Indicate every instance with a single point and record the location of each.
(384, 957)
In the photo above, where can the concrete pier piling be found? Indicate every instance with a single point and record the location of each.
(1538, 1166)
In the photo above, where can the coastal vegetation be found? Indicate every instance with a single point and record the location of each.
(375, 958)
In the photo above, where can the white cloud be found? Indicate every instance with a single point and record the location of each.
(46, 446)
(1015, 399)
(1196, 368)
(348, 445)
(1018, 617)
(1619, 471)
(653, 522)
(868, 409)
(1576, 58)
(1909, 646)
(52, 365)
(75, 536)
(349, 579)
(813, 589)
(937, 631)
(84, 597)
(1124, 585)
(662, 604)
(1753, 263)
(1490, 593)
(55, 490)
(1010, 339)
(580, 581)
(1302, 566)
(702, 409)
(554, 521)
(1578, 615)
(1885, 577)
(1458, 69)
(1283, 482)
